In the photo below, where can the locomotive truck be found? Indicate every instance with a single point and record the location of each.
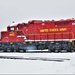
(50, 35)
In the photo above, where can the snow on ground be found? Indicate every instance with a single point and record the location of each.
(12, 66)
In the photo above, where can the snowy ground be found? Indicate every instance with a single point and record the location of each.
(12, 66)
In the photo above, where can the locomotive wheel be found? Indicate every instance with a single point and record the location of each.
(65, 51)
(21, 51)
(49, 50)
(1, 50)
(69, 50)
(17, 50)
(24, 50)
(12, 50)
(72, 51)
(62, 51)
(8, 51)
(52, 50)
(56, 51)
(40, 47)
(4, 49)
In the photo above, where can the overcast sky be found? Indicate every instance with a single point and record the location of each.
(25, 10)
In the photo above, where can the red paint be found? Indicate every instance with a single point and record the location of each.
(40, 30)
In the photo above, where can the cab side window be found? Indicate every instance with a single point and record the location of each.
(12, 29)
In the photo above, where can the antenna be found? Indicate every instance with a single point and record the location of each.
(13, 22)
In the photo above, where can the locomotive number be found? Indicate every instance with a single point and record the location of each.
(12, 34)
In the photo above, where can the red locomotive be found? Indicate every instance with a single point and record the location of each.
(39, 35)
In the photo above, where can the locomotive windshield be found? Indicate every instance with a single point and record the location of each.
(11, 29)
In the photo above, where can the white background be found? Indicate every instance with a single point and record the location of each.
(11, 66)
(25, 10)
